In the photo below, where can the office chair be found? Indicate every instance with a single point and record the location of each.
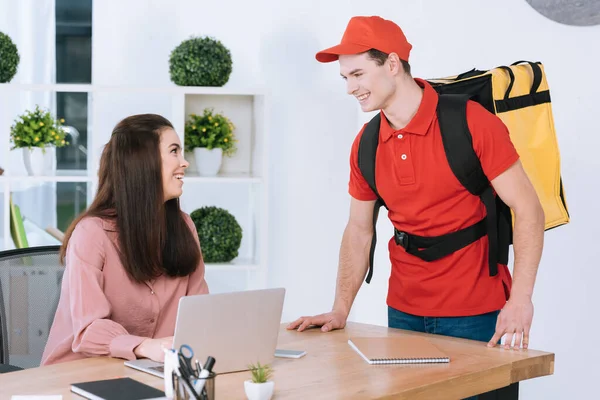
(30, 281)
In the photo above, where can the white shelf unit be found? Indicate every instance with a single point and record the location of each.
(241, 186)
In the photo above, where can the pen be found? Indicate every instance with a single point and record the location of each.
(208, 366)
(189, 387)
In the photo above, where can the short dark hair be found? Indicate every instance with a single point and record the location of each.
(379, 57)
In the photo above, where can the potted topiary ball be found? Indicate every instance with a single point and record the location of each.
(9, 58)
(219, 232)
(200, 61)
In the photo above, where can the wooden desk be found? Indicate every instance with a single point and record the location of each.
(331, 370)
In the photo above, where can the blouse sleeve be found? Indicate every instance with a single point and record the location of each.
(95, 334)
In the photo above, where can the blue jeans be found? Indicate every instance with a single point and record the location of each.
(477, 327)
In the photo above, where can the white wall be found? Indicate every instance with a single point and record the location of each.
(314, 123)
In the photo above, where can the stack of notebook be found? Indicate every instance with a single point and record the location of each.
(397, 350)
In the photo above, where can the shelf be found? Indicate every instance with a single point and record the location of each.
(224, 177)
(92, 88)
(235, 265)
(49, 178)
(24, 182)
(42, 238)
(189, 178)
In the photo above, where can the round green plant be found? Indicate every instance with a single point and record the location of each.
(37, 128)
(9, 58)
(211, 131)
(200, 61)
(219, 232)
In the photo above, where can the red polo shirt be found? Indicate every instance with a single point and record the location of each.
(425, 198)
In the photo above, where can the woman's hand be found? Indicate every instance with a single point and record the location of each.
(154, 348)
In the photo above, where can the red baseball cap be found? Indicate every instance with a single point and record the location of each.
(366, 33)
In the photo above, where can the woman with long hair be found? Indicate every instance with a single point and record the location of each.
(132, 254)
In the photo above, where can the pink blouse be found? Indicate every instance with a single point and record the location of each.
(101, 311)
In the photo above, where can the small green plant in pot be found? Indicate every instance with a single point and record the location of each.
(209, 136)
(260, 387)
(219, 233)
(200, 61)
(9, 58)
(38, 133)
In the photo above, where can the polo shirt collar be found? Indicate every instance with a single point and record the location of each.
(421, 121)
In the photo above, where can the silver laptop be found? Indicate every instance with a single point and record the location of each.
(237, 329)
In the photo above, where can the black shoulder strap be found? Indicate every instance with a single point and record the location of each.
(458, 145)
(367, 151)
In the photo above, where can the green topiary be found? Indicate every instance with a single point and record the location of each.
(9, 58)
(219, 232)
(200, 62)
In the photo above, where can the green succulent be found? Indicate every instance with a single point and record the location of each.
(261, 373)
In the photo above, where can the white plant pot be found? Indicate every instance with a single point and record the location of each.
(259, 391)
(208, 162)
(39, 162)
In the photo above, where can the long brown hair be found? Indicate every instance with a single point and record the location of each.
(153, 236)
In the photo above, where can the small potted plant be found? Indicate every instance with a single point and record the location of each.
(38, 134)
(219, 233)
(210, 137)
(260, 387)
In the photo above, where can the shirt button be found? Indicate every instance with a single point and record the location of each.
(403, 156)
(400, 136)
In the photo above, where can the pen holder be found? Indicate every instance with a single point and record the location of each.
(208, 393)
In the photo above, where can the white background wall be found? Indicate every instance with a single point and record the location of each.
(314, 122)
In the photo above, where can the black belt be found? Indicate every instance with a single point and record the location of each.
(434, 248)
(496, 225)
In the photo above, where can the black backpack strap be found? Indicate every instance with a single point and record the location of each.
(458, 144)
(367, 150)
(431, 248)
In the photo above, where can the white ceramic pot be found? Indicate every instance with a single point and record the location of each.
(259, 391)
(208, 162)
(38, 161)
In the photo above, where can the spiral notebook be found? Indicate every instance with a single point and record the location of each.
(397, 350)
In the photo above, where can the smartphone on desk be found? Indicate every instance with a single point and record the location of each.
(289, 353)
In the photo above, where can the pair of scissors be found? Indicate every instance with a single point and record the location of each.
(185, 360)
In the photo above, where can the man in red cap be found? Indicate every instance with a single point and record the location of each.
(454, 295)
